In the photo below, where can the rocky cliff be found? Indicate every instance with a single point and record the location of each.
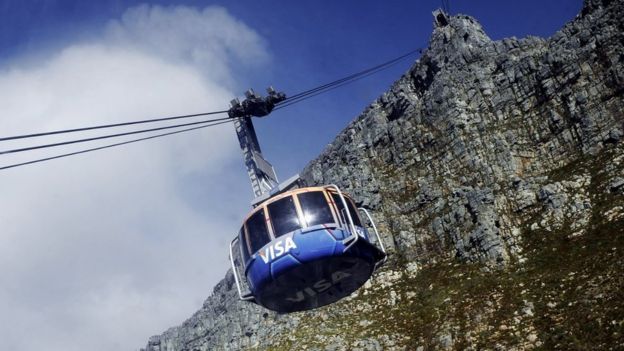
(496, 171)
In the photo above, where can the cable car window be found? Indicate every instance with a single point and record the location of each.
(352, 211)
(315, 208)
(243, 245)
(284, 216)
(257, 230)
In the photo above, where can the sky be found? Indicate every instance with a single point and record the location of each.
(102, 250)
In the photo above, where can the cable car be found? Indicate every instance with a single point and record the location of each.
(304, 249)
(299, 248)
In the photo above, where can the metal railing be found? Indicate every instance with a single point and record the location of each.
(237, 278)
(381, 245)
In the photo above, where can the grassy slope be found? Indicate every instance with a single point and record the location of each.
(568, 294)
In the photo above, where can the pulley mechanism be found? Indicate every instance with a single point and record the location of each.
(260, 171)
(255, 105)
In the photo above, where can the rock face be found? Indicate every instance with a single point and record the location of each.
(496, 172)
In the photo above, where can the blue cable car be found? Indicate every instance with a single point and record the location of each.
(299, 248)
(303, 249)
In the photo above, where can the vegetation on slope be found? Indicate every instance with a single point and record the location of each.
(567, 294)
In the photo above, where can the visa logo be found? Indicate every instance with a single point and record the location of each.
(277, 249)
(319, 287)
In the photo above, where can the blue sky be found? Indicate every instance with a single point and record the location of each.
(102, 250)
(310, 42)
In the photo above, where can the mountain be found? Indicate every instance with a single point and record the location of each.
(495, 170)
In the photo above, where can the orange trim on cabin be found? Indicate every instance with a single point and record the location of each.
(286, 194)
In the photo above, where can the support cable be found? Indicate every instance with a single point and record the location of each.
(351, 77)
(111, 145)
(45, 146)
(296, 98)
(63, 131)
(290, 100)
(360, 75)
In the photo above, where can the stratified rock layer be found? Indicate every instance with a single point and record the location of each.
(496, 171)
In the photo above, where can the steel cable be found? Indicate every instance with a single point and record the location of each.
(110, 145)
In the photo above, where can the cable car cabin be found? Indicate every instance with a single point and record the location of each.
(304, 249)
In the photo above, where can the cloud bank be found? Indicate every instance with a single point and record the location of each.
(101, 250)
(209, 39)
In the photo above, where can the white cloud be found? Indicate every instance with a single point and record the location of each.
(99, 251)
(208, 38)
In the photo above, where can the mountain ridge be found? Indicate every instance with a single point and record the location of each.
(490, 166)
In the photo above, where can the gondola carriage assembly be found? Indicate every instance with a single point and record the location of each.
(300, 247)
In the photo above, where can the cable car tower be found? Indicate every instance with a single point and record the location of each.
(300, 247)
